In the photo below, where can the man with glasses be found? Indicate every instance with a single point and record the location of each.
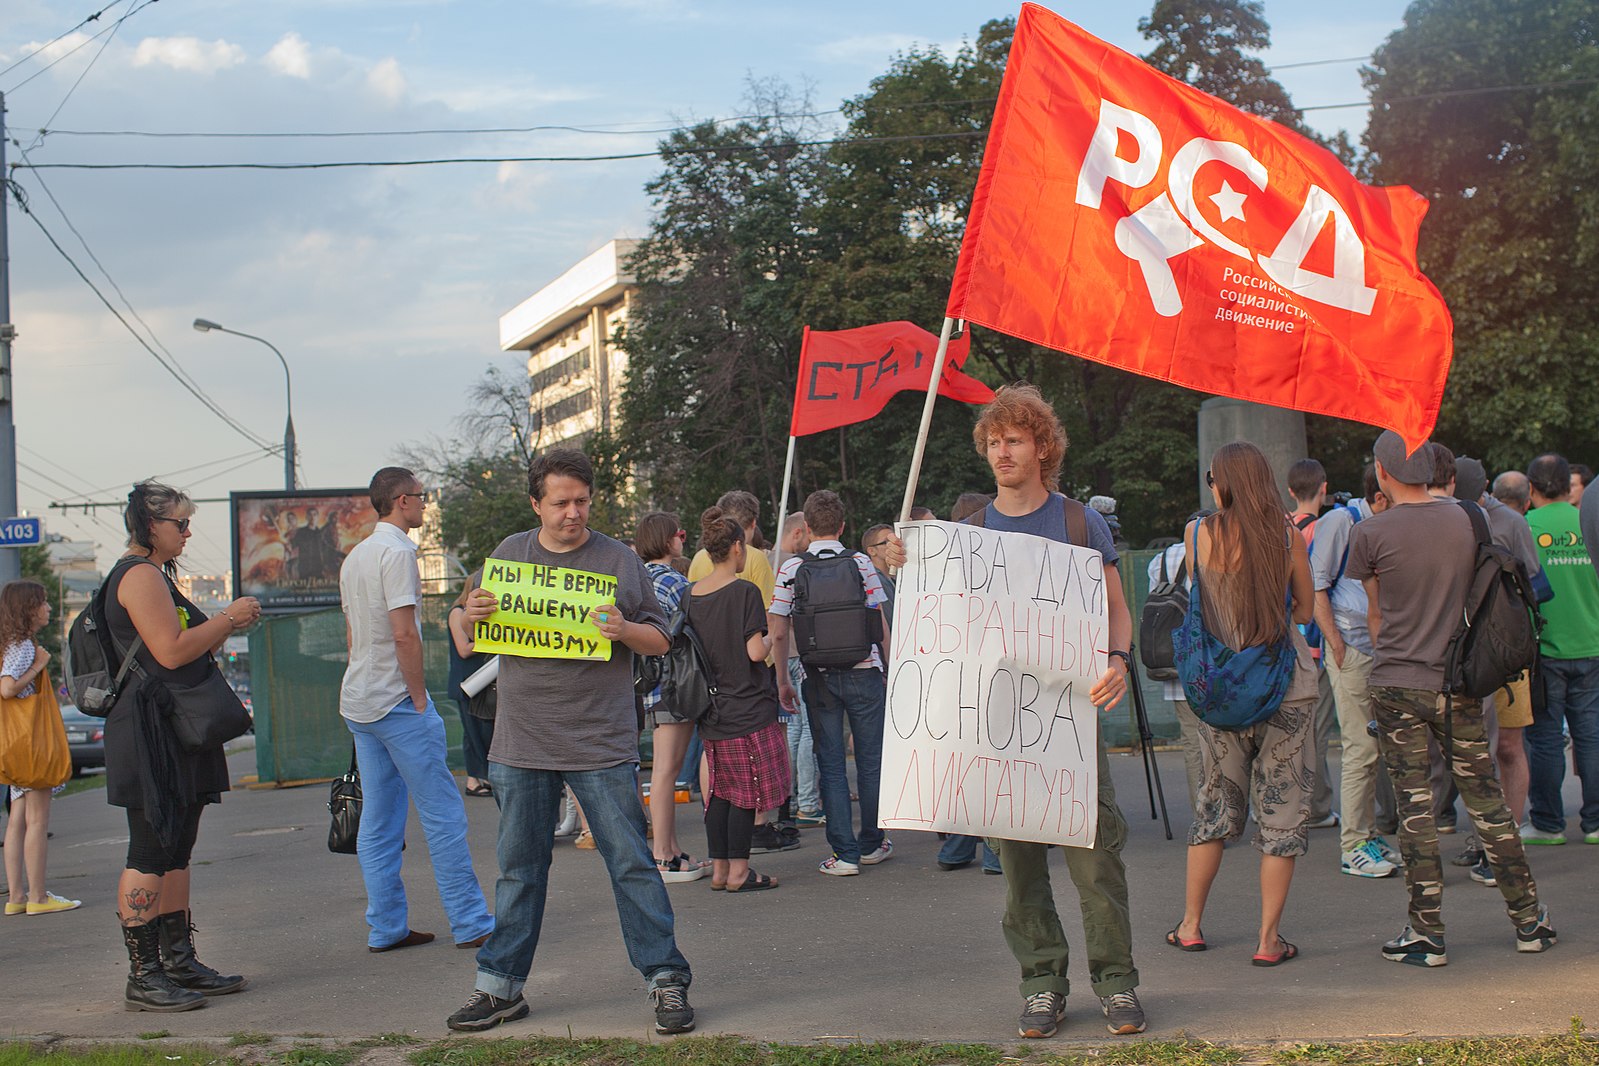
(399, 736)
(875, 542)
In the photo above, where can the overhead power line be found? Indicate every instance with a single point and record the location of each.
(61, 36)
(81, 44)
(210, 405)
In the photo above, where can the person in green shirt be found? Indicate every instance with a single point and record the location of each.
(1569, 645)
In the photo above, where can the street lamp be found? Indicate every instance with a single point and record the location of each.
(205, 325)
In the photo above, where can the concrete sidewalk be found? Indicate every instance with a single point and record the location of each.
(904, 951)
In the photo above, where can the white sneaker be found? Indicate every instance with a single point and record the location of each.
(884, 850)
(1387, 851)
(1324, 823)
(838, 867)
(1367, 861)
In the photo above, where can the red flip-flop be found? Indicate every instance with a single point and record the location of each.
(1175, 939)
(1288, 952)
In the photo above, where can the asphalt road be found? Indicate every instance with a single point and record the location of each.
(904, 951)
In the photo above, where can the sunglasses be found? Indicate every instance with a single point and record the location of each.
(1210, 479)
(181, 523)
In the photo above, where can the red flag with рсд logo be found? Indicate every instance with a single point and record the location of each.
(1130, 219)
(847, 375)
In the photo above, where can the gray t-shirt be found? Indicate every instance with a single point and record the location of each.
(1049, 521)
(1422, 555)
(1509, 530)
(574, 714)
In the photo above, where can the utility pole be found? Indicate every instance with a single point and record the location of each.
(10, 560)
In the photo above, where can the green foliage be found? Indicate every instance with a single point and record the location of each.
(1512, 237)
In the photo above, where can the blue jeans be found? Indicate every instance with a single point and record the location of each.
(830, 696)
(530, 805)
(401, 756)
(963, 849)
(801, 748)
(477, 736)
(1571, 694)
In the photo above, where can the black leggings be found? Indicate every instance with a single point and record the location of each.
(145, 853)
(728, 829)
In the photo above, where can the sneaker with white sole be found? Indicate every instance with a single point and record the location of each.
(483, 1011)
(1483, 874)
(1531, 834)
(1388, 851)
(1537, 935)
(672, 1011)
(1367, 861)
(1124, 1015)
(54, 903)
(1417, 950)
(1591, 838)
(838, 867)
(884, 850)
(1041, 1015)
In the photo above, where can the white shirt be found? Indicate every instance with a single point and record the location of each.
(783, 593)
(378, 576)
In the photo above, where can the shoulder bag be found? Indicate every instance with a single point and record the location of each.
(344, 802)
(33, 742)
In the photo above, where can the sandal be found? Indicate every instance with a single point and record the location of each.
(1175, 939)
(1288, 952)
(480, 789)
(753, 882)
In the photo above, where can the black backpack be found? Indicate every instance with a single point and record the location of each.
(1163, 612)
(688, 684)
(1498, 634)
(834, 629)
(92, 668)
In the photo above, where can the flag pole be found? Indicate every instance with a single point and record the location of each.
(933, 383)
(782, 508)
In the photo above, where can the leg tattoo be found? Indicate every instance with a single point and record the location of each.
(140, 905)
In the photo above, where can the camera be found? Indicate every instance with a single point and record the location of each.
(1338, 499)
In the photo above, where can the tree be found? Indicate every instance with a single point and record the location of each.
(1487, 109)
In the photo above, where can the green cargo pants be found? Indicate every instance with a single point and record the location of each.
(1406, 717)
(1032, 926)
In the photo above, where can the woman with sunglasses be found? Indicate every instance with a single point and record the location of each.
(163, 787)
(1252, 566)
(658, 540)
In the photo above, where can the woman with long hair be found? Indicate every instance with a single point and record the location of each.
(477, 731)
(163, 787)
(1251, 564)
(658, 540)
(24, 611)
(746, 747)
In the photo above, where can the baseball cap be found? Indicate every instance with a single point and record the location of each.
(1407, 468)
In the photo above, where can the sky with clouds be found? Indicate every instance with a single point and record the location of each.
(383, 287)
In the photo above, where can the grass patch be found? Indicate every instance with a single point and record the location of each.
(249, 1039)
(18, 1054)
(87, 783)
(1571, 1049)
(306, 1055)
(387, 1040)
(155, 1035)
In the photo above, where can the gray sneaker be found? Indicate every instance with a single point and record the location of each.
(1041, 1015)
(483, 1011)
(1123, 1013)
(672, 1012)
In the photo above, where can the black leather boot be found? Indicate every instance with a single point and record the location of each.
(149, 987)
(181, 964)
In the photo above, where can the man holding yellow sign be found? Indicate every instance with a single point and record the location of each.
(555, 601)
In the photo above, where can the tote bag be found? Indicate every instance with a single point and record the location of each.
(1229, 689)
(33, 742)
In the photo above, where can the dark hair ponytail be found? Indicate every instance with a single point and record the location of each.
(147, 502)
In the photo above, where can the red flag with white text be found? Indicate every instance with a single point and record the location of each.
(848, 375)
(1130, 219)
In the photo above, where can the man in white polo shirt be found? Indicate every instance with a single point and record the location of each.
(399, 736)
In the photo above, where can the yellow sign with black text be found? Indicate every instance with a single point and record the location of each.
(543, 611)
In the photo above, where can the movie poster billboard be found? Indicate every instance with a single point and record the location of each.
(288, 546)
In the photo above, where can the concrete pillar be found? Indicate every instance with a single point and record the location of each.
(1278, 432)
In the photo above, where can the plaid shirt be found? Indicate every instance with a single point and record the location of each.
(669, 587)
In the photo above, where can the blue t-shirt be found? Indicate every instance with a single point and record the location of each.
(1049, 521)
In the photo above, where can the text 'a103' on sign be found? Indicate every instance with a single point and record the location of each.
(21, 532)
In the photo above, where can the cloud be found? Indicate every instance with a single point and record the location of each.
(387, 81)
(876, 47)
(291, 56)
(188, 53)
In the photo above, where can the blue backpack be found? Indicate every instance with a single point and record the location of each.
(1229, 689)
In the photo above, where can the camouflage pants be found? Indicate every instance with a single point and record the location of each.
(1407, 717)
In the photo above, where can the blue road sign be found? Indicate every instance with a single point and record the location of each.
(21, 532)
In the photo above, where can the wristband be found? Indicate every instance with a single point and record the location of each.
(1124, 657)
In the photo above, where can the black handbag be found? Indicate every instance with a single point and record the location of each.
(485, 703)
(344, 802)
(208, 715)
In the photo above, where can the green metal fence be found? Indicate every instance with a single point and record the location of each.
(296, 666)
